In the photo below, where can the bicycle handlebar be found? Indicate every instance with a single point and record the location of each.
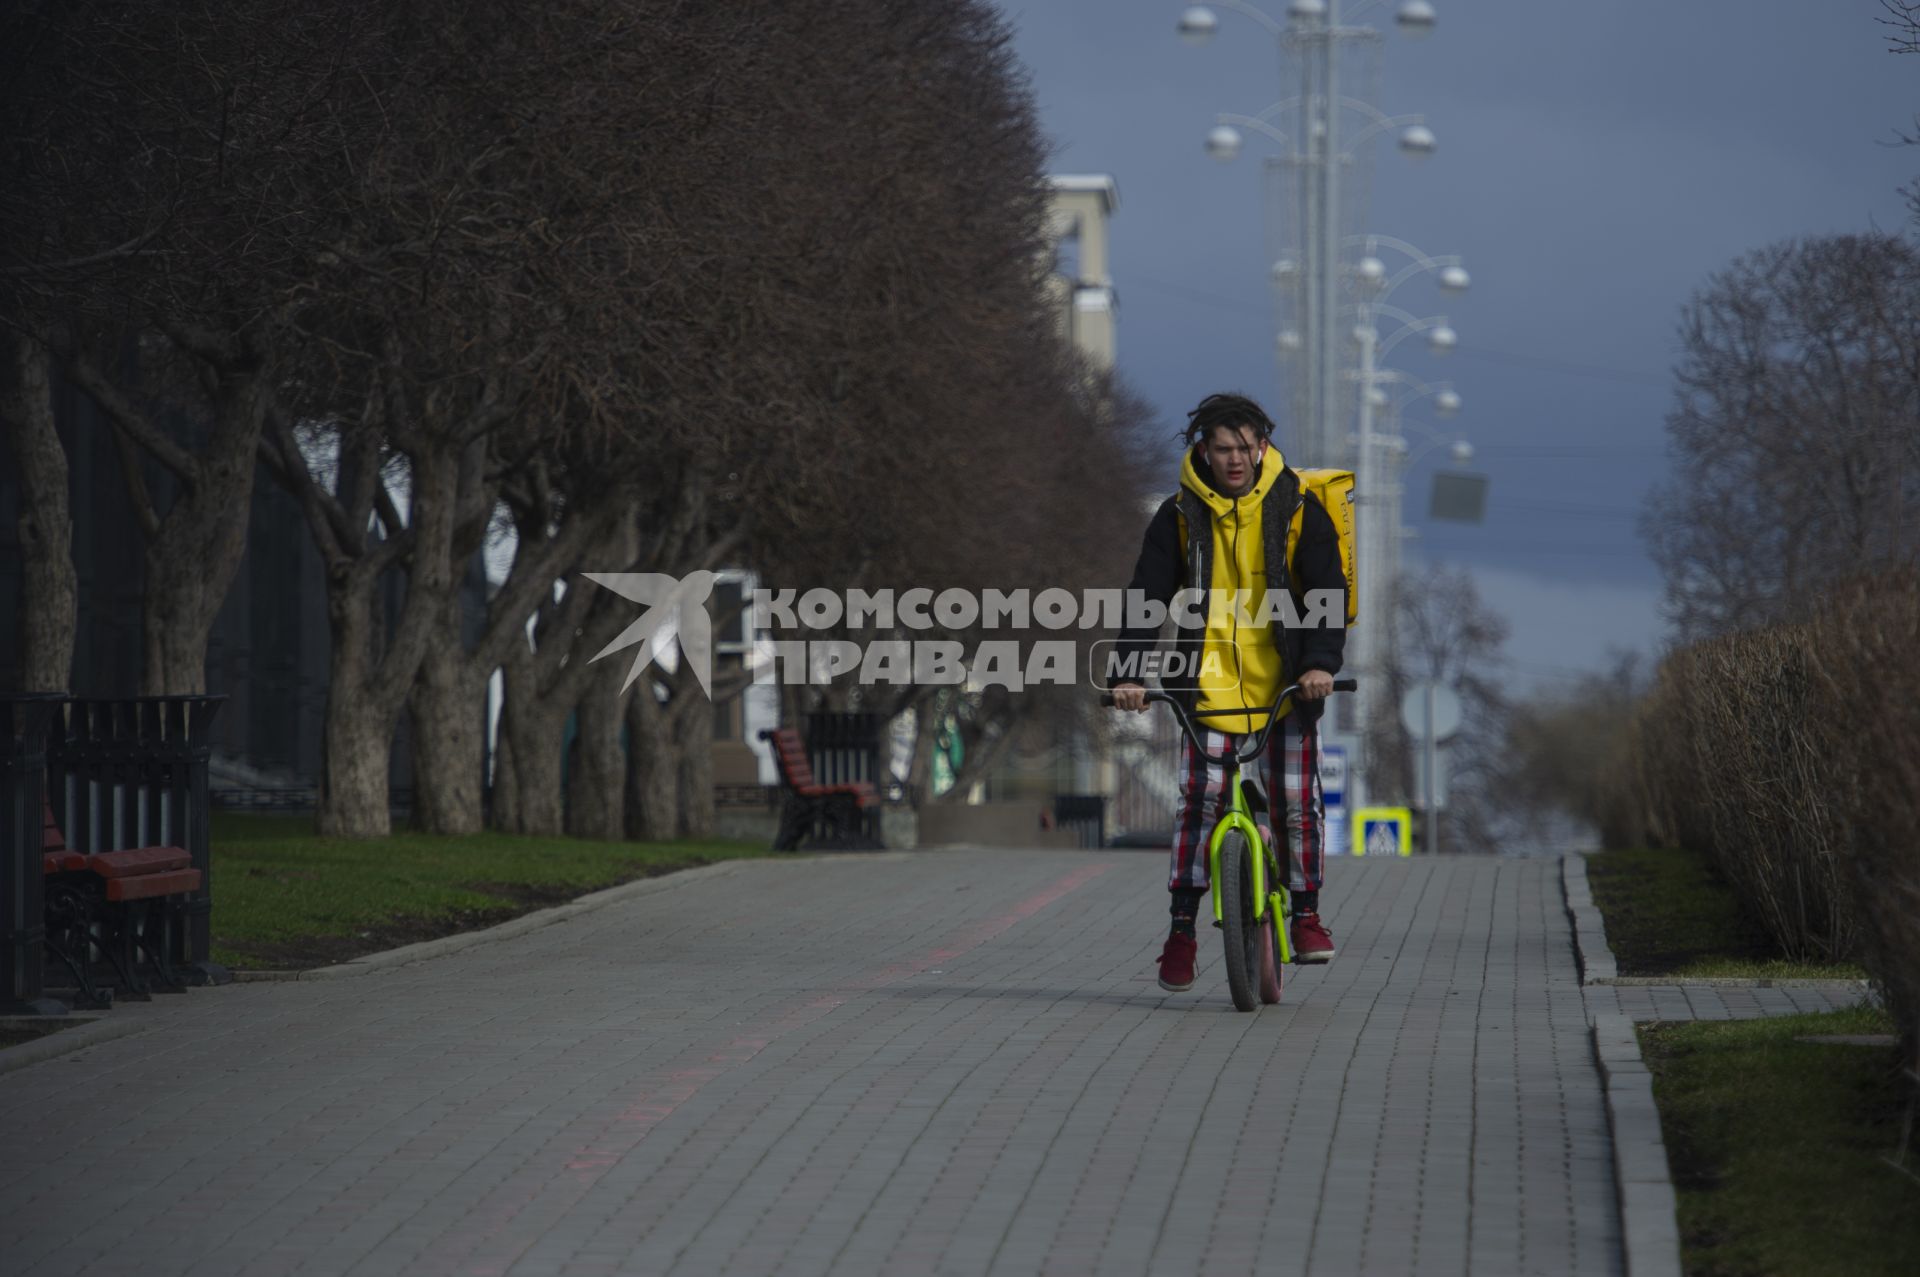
(1186, 717)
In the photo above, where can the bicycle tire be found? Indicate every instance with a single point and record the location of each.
(1272, 970)
(1271, 980)
(1237, 926)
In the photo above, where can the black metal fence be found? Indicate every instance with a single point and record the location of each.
(132, 772)
(116, 774)
(1085, 815)
(843, 747)
(24, 721)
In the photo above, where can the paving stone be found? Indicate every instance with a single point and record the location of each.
(951, 1062)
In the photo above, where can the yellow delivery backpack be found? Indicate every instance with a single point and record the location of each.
(1334, 490)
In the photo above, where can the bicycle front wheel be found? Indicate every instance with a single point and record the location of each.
(1238, 927)
(1272, 969)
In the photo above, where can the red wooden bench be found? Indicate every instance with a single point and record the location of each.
(824, 815)
(102, 900)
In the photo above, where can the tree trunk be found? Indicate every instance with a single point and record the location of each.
(544, 685)
(926, 733)
(531, 727)
(193, 555)
(49, 593)
(693, 742)
(447, 704)
(597, 785)
(981, 755)
(653, 769)
(353, 775)
(369, 679)
(506, 776)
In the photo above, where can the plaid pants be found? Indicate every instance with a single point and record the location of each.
(1292, 758)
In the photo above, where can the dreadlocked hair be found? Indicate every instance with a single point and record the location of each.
(1228, 410)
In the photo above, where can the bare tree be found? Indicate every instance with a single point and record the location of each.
(486, 298)
(171, 173)
(1793, 434)
(1562, 756)
(1447, 634)
(1903, 21)
(49, 589)
(671, 286)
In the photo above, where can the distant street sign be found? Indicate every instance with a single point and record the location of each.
(1338, 839)
(1333, 775)
(1383, 831)
(1446, 711)
(1440, 777)
(1460, 497)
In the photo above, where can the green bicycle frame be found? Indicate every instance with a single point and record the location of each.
(1239, 816)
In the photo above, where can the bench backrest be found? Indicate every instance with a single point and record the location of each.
(791, 754)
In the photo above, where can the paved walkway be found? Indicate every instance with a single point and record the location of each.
(953, 1063)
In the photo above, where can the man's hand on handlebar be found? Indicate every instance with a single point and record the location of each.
(1130, 696)
(1315, 685)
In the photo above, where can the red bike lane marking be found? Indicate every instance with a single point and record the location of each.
(661, 1093)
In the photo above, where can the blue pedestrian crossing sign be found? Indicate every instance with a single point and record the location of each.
(1333, 776)
(1383, 831)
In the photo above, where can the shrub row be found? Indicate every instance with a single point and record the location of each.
(1791, 756)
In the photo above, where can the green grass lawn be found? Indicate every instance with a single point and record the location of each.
(1777, 1146)
(286, 898)
(1668, 914)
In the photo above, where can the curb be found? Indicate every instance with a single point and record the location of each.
(1643, 1185)
(1729, 982)
(387, 959)
(104, 1028)
(1596, 958)
(1589, 934)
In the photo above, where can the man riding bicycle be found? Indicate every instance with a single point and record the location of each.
(1230, 529)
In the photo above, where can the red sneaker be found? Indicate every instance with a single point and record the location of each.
(1176, 963)
(1311, 943)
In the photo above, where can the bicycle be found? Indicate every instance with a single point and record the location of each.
(1250, 897)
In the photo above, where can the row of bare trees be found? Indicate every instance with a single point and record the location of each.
(627, 285)
(1447, 634)
(1794, 454)
(1794, 466)
(1788, 517)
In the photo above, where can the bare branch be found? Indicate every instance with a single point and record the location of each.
(127, 418)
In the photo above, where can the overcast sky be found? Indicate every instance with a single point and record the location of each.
(1597, 159)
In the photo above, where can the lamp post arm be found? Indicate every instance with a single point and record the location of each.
(1399, 246)
(1412, 387)
(1260, 126)
(1278, 109)
(1417, 262)
(1380, 123)
(1409, 327)
(1408, 271)
(1416, 388)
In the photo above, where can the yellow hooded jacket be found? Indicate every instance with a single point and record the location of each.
(1247, 668)
(1244, 655)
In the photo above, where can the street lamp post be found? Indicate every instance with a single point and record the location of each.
(1378, 515)
(1309, 281)
(1397, 461)
(1312, 148)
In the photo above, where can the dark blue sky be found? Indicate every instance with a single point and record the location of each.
(1597, 161)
